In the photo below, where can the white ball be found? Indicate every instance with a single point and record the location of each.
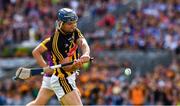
(127, 71)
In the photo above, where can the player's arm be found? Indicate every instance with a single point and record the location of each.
(37, 54)
(84, 47)
(25, 73)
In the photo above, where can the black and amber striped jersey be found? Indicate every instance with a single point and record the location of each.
(62, 45)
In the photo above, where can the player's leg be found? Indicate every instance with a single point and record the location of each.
(45, 93)
(43, 97)
(71, 98)
(66, 90)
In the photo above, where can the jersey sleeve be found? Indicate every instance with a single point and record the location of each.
(78, 34)
(46, 43)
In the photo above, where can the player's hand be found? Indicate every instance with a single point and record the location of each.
(48, 70)
(23, 73)
(83, 59)
(77, 63)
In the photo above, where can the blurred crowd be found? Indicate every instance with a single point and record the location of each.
(102, 85)
(153, 25)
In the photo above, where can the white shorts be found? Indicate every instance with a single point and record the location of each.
(62, 86)
(46, 83)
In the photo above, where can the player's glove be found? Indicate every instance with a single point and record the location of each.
(23, 73)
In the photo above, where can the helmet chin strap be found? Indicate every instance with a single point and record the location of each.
(57, 25)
